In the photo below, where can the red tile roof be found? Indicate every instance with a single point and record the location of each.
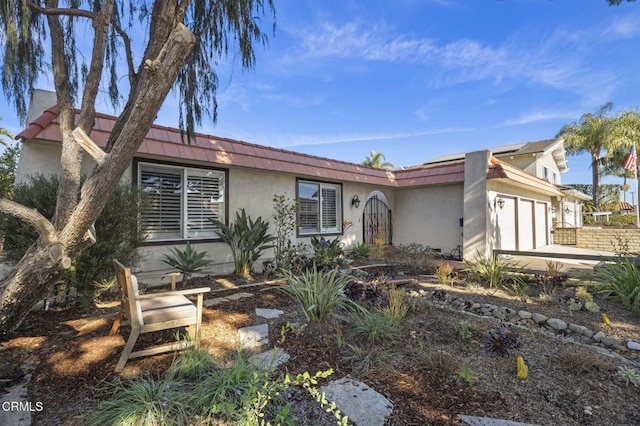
(166, 142)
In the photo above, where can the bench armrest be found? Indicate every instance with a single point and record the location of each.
(174, 293)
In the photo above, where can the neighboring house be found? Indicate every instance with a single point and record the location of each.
(481, 200)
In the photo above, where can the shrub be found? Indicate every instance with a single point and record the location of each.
(491, 270)
(319, 293)
(374, 327)
(247, 239)
(117, 233)
(188, 261)
(621, 280)
(327, 254)
(285, 222)
(444, 272)
(397, 308)
(361, 250)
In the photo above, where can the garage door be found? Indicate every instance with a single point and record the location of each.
(541, 224)
(506, 225)
(525, 225)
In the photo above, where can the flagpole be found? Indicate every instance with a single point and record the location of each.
(635, 176)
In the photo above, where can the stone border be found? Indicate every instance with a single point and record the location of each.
(552, 327)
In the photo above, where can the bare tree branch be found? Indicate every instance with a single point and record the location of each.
(128, 52)
(44, 227)
(58, 11)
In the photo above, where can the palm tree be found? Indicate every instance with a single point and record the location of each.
(626, 132)
(376, 160)
(599, 135)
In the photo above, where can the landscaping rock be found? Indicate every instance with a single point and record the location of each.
(268, 313)
(269, 360)
(254, 336)
(238, 296)
(524, 314)
(539, 318)
(363, 405)
(608, 342)
(580, 329)
(213, 302)
(556, 324)
(633, 346)
(598, 336)
(499, 314)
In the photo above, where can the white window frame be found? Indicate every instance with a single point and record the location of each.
(322, 203)
(545, 173)
(194, 212)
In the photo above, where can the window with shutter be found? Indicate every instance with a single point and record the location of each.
(319, 208)
(182, 201)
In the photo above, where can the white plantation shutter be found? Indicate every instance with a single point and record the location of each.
(319, 208)
(164, 189)
(205, 200)
(329, 209)
(180, 211)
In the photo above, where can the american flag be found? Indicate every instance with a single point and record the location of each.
(630, 161)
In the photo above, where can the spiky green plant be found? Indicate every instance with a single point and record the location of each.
(320, 293)
(247, 238)
(374, 327)
(187, 261)
(361, 250)
(492, 270)
(621, 280)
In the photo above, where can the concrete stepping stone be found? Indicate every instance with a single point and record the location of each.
(15, 408)
(363, 405)
(269, 313)
(213, 302)
(254, 336)
(238, 296)
(486, 421)
(269, 360)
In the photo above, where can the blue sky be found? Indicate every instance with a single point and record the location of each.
(416, 79)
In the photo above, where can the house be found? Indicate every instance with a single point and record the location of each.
(506, 197)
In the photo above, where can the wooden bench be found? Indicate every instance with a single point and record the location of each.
(146, 313)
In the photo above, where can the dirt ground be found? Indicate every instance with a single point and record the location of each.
(431, 372)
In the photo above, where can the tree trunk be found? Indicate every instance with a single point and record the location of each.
(31, 277)
(596, 175)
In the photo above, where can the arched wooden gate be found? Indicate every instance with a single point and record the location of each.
(377, 221)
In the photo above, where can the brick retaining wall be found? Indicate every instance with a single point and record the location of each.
(598, 238)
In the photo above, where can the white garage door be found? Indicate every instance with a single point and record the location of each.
(541, 224)
(506, 225)
(525, 225)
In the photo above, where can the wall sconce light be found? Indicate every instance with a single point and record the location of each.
(355, 201)
(499, 201)
(552, 209)
(566, 210)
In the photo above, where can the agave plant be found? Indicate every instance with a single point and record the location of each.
(247, 238)
(187, 261)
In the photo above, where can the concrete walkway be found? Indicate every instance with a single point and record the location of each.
(535, 263)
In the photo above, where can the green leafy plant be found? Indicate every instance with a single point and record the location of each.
(434, 361)
(247, 238)
(397, 308)
(374, 327)
(187, 261)
(621, 280)
(464, 329)
(327, 254)
(492, 271)
(361, 250)
(583, 299)
(362, 357)
(320, 293)
(285, 222)
(467, 375)
(630, 375)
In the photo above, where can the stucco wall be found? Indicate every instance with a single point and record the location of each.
(249, 189)
(429, 216)
(599, 238)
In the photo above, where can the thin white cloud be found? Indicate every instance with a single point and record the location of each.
(623, 26)
(540, 116)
